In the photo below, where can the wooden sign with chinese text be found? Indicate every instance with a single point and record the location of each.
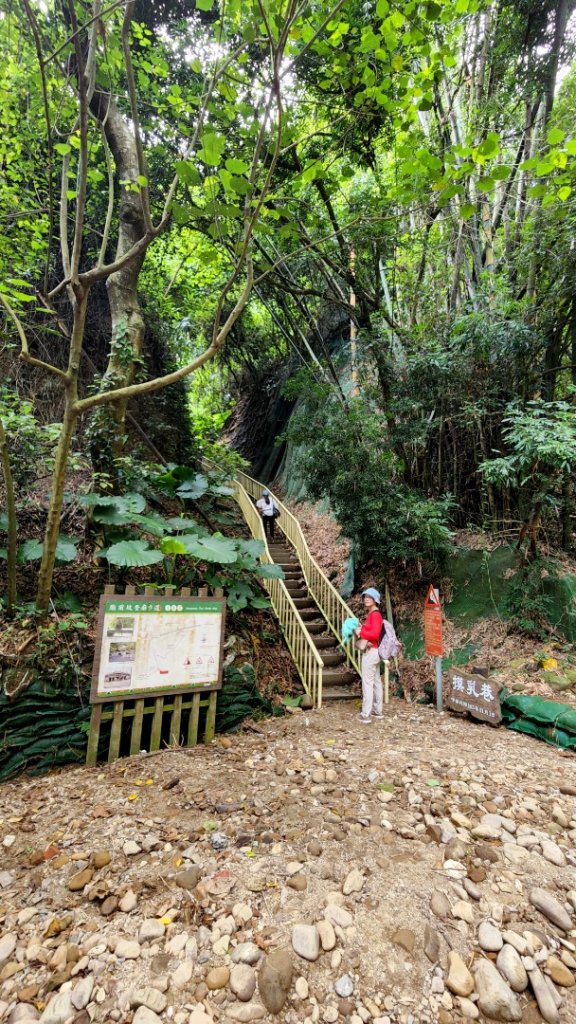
(433, 623)
(478, 696)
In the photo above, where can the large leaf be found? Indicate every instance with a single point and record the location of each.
(182, 523)
(150, 524)
(193, 488)
(3, 521)
(211, 549)
(132, 553)
(269, 571)
(251, 547)
(173, 546)
(123, 503)
(31, 550)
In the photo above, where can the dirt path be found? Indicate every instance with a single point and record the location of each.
(158, 888)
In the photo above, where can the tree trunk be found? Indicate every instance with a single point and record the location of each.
(12, 530)
(67, 429)
(52, 531)
(127, 322)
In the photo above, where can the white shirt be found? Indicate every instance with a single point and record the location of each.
(266, 506)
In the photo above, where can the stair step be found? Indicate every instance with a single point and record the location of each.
(338, 695)
(325, 643)
(335, 677)
(330, 658)
(288, 566)
(305, 602)
(314, 628)
(297, 591)
(308, 614)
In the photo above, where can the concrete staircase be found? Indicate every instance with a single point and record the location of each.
(338, 681)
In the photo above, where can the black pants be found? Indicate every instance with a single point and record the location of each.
(268, 527)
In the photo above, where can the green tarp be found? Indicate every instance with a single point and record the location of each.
(544, 719)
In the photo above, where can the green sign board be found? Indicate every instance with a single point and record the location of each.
(148, 646)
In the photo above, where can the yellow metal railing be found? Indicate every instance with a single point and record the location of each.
(333, 608)
(331, 604)
(305, 655)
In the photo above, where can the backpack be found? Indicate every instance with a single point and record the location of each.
(389, 646)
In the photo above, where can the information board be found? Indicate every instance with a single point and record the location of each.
(478, 696)
(433, 623)
(148, 646)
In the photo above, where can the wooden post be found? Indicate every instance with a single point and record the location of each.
(210, 727)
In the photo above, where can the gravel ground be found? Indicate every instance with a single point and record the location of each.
(310, 869)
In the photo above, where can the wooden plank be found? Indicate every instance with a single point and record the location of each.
(175, 721)
(192, 738)
(210, 727)
(116, 734)
(136, 733)
(94, 735)
(156, 734)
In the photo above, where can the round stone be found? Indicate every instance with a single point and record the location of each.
(217, 978)
(243, 982)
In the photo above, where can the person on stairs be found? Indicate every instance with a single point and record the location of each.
(269, 511)
(369, 639)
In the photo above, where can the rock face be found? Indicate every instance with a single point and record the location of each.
(275, 979)
(495, 997)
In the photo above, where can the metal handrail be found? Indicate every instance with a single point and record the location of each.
(331, 604)
(306, 657)
(334, 609)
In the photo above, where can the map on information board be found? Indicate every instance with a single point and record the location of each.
(150, 646)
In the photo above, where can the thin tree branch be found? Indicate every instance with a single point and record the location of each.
(24, 350)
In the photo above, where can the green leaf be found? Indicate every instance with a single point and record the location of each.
(555, 136)
(142, 180)
(466, 211)
(485, 184)
(4, 524)
(212, 549)
(173, 546)
(132, 553)
(62, 148)
(3, 553)
(571, 147)
(490, 146)
(213, 146)
(182, 523)
(187, 172)
(382, 8)
(193, 488)
(293, 702)
(31, 550)
(237, 166)
(204, 5)
(433, 782)
(269, 571)
(564, 193)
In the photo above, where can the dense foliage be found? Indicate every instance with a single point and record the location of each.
(262, 185)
